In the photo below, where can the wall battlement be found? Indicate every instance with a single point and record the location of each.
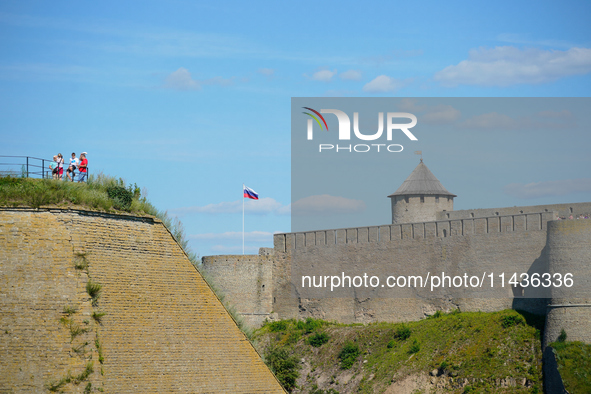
(515, 239)
(511, 223)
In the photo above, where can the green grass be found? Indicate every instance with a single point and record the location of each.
(348, 354)
(70, 310)
(98, 316)
(477, 346)
(574, 364)
(94, 194)
(94, 290)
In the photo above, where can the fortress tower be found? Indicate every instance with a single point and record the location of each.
(420, 197)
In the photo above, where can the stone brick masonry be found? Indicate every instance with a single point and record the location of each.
(164, 330)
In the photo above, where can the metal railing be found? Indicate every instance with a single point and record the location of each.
(29, 167)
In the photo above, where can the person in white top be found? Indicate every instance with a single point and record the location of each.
(73, 164)
(60, 165)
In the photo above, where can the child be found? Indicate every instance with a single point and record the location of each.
(73, 164)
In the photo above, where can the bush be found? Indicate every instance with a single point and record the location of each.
(402, 332)
(512, 320)
(121, 197)
(415, 347)
(277, 326)
(284, 366)
(349, 354)
(309, 325)
(562, 336)
(318, 339)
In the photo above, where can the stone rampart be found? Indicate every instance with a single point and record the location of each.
(562, 210)
(512, 223)
(569, 251)
(247, 280)
(164, 330)
(508, 243)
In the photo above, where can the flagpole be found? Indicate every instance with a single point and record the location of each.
(243, 219)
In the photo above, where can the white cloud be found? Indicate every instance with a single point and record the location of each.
(507, 65)
(351, 75)
(266, 71)
(261, 206)
(181, 80)
(251, 236)
(548, 188)
(326, 205)
(383, 84)
(322, 75)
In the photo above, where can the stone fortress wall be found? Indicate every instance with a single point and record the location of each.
(248, 279)
(512, 239)
(426, 236)
(164, 330)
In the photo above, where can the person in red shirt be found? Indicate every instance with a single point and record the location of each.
(83, 168)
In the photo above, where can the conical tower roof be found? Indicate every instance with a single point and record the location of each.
(422, 181)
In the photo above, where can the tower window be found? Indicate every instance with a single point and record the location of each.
(406, 199)
(436, 199)
(422, 198)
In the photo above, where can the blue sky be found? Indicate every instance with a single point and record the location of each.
(192, 99)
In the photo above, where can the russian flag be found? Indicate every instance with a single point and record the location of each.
(249, 193)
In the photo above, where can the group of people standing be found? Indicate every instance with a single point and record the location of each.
(81, 164)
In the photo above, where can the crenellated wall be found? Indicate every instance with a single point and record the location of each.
(164, 330)
(562, 210)
(511, 243)
(513, 223)
(511, 240)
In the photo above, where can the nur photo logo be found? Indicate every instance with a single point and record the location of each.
(344, 130)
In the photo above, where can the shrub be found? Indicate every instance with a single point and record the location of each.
(318, 339)
(348, 354)
(512, 320)
(121, 197)
(415, 347)
(562, 336)
(284, 366)
(277, 326)
(312, 324)
(402, 332)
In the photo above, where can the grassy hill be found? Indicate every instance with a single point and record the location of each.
(103, 193)
(574, 364)
(446, 353)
